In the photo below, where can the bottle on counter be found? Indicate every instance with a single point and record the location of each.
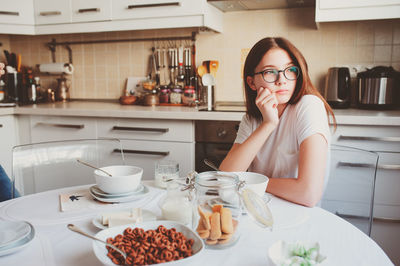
(164, 94)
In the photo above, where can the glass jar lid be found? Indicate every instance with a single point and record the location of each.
(257, 208)
(216, 179)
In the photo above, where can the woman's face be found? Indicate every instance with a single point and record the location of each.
(275, 59)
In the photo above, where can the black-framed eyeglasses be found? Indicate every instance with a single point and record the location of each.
(272, 75)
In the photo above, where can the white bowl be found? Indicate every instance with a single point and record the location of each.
(198, 246)
(124, 178)
(254, 181)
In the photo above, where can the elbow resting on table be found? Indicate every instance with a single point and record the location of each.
(311, 197)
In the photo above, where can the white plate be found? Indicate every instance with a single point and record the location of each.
(146, 215)
(12, 231)
(19, 244)
(100, 193)
(198, 246)
(134, 197)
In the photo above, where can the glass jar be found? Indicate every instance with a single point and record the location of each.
(219, 196)
(176, 95)
(164, 94)
(189, 95)
(177, 204)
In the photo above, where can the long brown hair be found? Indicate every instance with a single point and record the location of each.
(303, 87)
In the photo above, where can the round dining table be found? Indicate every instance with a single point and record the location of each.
(54, 244)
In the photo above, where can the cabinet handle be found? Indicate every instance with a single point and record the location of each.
(363, 165)
(60, 125)
(145, 129)
(1, 125)
(387, 139)
(162, 153)
(9, 13)
(154, 5)
(50, 13)
(376, 219)
(389, 166)
(85, 10)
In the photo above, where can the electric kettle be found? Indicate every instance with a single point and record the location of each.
(337, 87)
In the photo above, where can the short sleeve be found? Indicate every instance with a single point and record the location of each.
(245, 130)
(311, 119)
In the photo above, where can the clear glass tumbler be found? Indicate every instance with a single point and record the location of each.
(164, 170)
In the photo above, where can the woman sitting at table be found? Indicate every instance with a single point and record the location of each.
(285, 132)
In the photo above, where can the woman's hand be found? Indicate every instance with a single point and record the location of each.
(268, 105)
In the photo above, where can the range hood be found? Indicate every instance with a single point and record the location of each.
(241, 5)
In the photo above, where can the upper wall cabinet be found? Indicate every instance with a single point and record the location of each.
(16, 17)
(346, 10)
(117, 15)
(52, 12)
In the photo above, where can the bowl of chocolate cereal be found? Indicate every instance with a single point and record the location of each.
(149, 243)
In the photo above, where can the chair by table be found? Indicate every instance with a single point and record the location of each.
(351, 185)
(45, 166)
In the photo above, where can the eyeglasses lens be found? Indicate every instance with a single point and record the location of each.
(272, 75)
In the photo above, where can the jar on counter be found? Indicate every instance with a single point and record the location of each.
(189, 95)
(219, 196)
(176, 95)
(164, 94)
(151, 98)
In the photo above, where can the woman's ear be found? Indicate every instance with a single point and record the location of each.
(250, 82)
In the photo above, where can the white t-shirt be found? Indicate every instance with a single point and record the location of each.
(279, 156)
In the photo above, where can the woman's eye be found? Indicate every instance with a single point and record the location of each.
(293, 69)
(269, 71)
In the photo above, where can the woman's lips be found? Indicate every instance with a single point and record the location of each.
(281, 91)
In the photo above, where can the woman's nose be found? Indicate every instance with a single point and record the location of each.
(281, 79)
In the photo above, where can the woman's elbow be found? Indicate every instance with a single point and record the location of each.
(311, 197)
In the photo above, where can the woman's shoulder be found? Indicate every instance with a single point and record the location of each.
(309, 102)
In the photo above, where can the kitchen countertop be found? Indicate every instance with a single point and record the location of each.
(113, 109)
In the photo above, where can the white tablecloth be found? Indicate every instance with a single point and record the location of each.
(54, 244)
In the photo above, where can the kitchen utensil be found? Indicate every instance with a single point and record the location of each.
(337, 87)
(208, 94)
(94, 167)
(18, 63)
(13, 59)
(75, 229)
(378, 87)
(201, 70)
(211, 164)
(213, 68)
(8, 58)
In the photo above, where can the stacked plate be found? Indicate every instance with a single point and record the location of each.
(15, 235)
(100, 195)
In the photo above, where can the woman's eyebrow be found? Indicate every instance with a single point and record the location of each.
(273, 66)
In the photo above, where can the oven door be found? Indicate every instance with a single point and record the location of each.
(215, 152)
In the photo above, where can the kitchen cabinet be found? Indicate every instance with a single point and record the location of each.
(52, 11)
(385, 140)
(7, 141)
(147, 141)
(344, 10)
(16, 17)
(52, 128)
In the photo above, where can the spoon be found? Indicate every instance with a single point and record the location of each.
(79, 231)
(87, 164)
(211, 164)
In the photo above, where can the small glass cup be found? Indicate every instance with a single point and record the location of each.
(165, 170)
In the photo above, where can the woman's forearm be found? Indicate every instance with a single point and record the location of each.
(240, 156)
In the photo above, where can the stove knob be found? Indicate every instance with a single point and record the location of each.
(221, 133)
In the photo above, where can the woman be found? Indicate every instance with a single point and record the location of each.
(285, 132)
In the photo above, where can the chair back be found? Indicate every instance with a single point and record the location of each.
(351, 185)
(45, 166)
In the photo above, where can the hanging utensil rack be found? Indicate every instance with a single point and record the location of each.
(53, 44)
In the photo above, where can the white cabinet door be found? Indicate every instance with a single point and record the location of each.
(16, 12)
(146, 153)
(90, 10)
(344, 10)
(134, 9)
(53, 128)
(52, 11)
(8, 140)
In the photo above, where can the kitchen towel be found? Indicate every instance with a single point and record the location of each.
(57, 68)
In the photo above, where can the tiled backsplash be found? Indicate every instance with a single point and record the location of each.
(101, 69)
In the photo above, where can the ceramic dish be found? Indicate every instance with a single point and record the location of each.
(13, 231)
(133, 197)
(100, 193)
(146, 215)
(20, 244)
(198, 246)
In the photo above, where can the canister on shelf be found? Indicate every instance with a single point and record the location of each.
(176, 95)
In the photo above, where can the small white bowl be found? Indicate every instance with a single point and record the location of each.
(124, 178)
(280, 253)
(254, 181)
